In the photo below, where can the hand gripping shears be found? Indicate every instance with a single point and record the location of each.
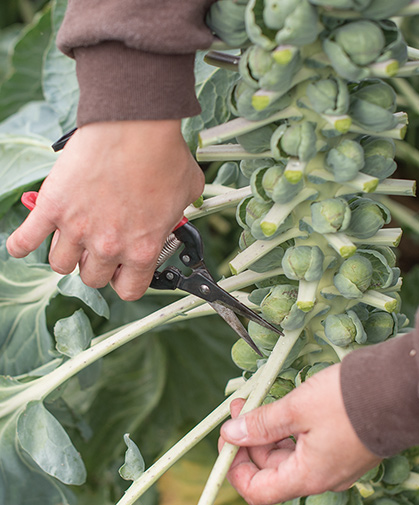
(200, 282)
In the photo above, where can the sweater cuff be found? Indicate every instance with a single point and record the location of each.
(380, 392)
(120, 83)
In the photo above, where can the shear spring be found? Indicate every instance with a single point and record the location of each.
(171, 245)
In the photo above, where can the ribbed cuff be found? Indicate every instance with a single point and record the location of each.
(380, 393)
(120, 83)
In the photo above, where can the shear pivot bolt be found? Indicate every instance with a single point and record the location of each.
(204, 289)
(169, 276)
(186, 258)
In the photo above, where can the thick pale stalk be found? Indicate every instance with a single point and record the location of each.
(219, 202)
(228, 152)
(152, 474)
(269, 373)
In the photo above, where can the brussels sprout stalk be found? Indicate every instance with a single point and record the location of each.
(341, 243)
(228, 152)
(397, 133)
(294, 170)
(152, 474)
(239, 126)
(219, 202)
(261, 247)
(279, 212)
(307, 291)
(385, 237)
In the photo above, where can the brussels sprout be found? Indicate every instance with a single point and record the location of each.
(379, 157)
(308, 371)
(240, 102)
(383, 275)
(352, 46)
(328, 498)
(226, 19)
(373, 103)
(354, 276)
(259, 69)
(303, 262)
(254, 63)
(277, 186)
(367, 217)
(227, 174)
(329, 96)
(255, 209)
(257, 295)
(248, 166)
(300, 140)
(344, 329)
(264, 338)
(330, 215)
(380, 326)
(278, 303)
(274, 22)
(241, 211)
(256, 184)
(258, 140)
(396, 470)
(345, 160)
(244, 356)
(280, 388)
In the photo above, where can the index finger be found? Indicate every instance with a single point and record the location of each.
(30, 234)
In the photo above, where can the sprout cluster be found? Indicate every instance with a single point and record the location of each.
(314, 136)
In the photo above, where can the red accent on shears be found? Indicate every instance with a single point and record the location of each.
(29, 199)
(181, 223)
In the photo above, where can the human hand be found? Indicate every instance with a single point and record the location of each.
(327, 456)
(115, 193)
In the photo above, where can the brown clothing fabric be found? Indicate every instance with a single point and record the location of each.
(135, 61)
(380, 386)
(134, 58)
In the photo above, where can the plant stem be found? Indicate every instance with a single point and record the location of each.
(341, 243)
(404, 187)
(409, 69)
(150, 476)
(228, 152)
(40, 388)
(413, 53)
(397, 133)
(261, 247)
(217, 203)
(410, 10)
(269, 373)
(239, 126)
(280, 211)
(386, 236)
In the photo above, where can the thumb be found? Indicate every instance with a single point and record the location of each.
(266, 424)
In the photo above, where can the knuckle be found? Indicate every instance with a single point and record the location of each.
(108, 248)
(129, 295)
(145, 256)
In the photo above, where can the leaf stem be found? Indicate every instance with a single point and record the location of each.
(228, 152)
(269, 373)
(219, 202)
(40, 388)
(150, 476)
(239, 126)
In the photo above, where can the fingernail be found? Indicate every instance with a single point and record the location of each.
(235, 429)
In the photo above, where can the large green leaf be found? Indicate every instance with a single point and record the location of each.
(21, 481)
(45, 440)
(23, 161)
(8, 38)
(211, 87)
(25, 81)
(25, 292)
(34, 118)
(59, 75)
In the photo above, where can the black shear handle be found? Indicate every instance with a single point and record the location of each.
(192, 255)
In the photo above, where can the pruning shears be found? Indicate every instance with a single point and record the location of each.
(200, 282)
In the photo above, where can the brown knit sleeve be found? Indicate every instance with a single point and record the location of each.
(135, 58)
(380, 387)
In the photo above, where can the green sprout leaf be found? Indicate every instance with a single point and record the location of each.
(134, 464)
